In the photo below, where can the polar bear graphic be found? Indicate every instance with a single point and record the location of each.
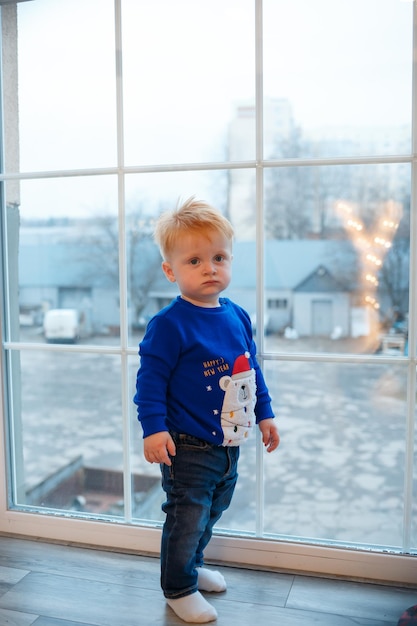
(238, 410)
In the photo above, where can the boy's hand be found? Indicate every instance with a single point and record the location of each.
(158, 447)
(270, 434)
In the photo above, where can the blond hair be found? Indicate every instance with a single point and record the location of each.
(193, 216)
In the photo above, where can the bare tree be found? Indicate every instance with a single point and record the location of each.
(143, 261)
(394, 273)
(100, 247)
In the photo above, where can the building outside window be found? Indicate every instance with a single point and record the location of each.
(305, 142)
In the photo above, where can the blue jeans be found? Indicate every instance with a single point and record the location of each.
(199, 487)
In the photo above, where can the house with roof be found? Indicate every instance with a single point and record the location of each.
(321, 305)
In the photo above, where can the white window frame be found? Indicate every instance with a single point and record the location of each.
(257, 551)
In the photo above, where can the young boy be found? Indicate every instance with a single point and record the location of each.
(199, 392)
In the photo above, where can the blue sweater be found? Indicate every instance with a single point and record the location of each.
(199, 374)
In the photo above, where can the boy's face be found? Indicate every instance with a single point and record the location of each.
(201, 265)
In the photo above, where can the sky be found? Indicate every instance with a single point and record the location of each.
(186, 64)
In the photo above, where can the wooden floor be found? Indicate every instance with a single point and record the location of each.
(45, 584)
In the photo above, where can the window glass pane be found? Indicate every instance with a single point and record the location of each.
(67, 258)
(339, 474)
(147, 493)
(337, 252)
(181, 82)
(242, 204)
(66, 70)
(342, 83)
(71, 456)
(147, 195)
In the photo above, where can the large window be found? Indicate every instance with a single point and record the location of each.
(295, 119)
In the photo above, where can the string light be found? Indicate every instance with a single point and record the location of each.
(356, 225)
(374, 259)
(372, 279)
(372, 245)
(380, 241)
(372, 302)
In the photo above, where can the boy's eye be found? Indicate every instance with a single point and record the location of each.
(194, 261)
(219, 258)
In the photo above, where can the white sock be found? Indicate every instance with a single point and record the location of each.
(210, 580)
(193, 608)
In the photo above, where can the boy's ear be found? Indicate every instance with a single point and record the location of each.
(167, 269)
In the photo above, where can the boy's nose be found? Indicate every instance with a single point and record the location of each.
(209, 268)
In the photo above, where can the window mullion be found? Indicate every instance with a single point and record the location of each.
(123, 287)
(412, 317)
(260, 500)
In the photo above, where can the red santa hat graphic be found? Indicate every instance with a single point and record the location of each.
(241, 366)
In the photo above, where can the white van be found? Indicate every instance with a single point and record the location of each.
(62, 325)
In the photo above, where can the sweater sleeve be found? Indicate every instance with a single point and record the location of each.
(158, 353)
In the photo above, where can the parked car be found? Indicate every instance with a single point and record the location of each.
(62, 325)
